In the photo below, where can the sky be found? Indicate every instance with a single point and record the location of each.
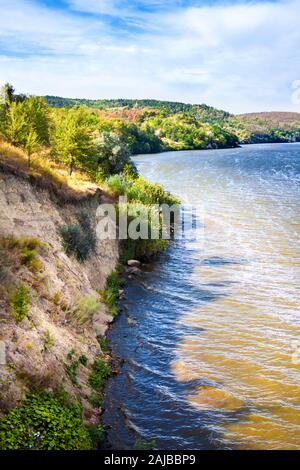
(238, 55)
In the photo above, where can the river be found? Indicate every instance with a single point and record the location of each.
(211, 336)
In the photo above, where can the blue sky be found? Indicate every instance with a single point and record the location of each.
(241, 56)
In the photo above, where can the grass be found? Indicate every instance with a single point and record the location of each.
(22, 251)
(49, 340)
(117, 185)
(85, 309)
(45, 173)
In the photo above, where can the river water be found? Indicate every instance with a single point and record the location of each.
(210, 336)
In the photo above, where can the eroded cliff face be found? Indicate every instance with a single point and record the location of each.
(38, 348)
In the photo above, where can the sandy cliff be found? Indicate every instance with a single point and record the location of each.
(37, 348)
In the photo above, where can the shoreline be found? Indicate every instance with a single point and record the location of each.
(214, 149)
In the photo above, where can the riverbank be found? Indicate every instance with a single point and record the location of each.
(60, 285)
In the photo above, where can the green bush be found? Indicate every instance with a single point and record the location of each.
(103, 343)
(148, 193)
(71, 369)
(141, 249)
(79, 239)
(110, 295)
(113, 154)
(44, 423)
(20, 302)
(101, 371)
(118, 184)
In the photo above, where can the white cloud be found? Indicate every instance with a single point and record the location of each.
(240, 57)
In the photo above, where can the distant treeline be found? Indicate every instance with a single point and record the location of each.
(175, 125)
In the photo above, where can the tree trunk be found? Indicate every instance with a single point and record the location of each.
(71, 169)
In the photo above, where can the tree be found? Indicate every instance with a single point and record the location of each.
(72, 141)
(37, 116)
(15, 124)
(113, 155)
(32, 144)
(7, 94)
(23, 116)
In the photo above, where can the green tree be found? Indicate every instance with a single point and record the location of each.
(32, 144)
(72, 141)
(14, 124)
(22, 117)
(113, 154)
(7, 94)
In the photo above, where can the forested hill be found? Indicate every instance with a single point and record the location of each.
(153, 125)
(200, 110)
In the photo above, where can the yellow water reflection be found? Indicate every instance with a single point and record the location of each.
(245, 352)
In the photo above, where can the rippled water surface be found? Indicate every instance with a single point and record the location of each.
(210, 336)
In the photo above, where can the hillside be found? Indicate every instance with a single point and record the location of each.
(166, 125)
(275, 120)
(267, 127)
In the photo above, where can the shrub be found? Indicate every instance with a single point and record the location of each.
(141, 249)
(148, 193)
(49, 340)
(20, 302)
(101, 371)
(44, 423)
(71, 369)
(113, 154)
(79, 239)
(103, 343)
(96, 434)
(118, 184)
(110, 294)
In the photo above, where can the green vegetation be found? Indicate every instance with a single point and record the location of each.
(71, 369)
(79, 239)
(103, 343)
(101, 371)
(152, 126)
(85, 309)
(72, 143)
(42, 422)
(113, 155)
(49, 340)
(145, 445)
(110, 295)
(20, 303)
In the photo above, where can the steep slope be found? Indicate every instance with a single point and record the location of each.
(65, 314)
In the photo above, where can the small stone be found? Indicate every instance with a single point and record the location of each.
(133, 262)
